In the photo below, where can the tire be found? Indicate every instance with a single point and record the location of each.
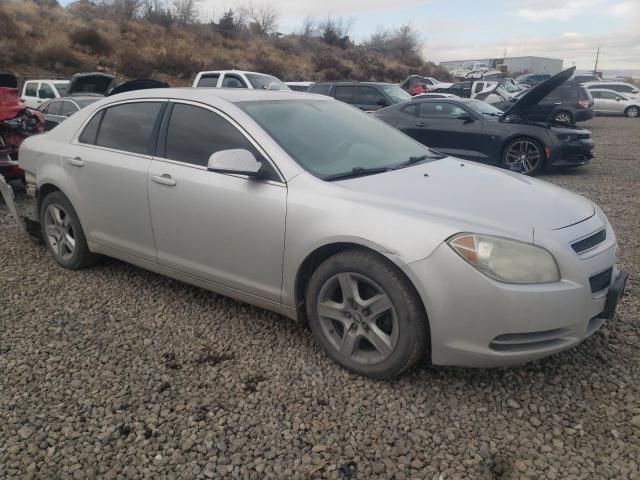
(63, 234)
(343, 324)
(563, 117)
(632, 112)
(516, 163)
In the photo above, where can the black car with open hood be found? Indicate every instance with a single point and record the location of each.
(92, 83)
(557, 99)
(139, 84)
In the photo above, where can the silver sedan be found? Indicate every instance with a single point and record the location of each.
(609, 102)
(306, 206)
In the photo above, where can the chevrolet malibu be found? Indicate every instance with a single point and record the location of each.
(303, 205)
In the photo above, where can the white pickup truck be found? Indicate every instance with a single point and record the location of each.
(34, 92)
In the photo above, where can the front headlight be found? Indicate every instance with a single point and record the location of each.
(567, 137)
(506, 260)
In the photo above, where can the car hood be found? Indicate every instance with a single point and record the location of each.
(475, 194)
(138, 84)
(90, 83)
(527, 101)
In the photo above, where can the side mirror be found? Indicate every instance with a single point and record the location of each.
(383, 102)
(466, 117)
(238, 161)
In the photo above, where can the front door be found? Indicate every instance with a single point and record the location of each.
(224, 228)
(107, 174)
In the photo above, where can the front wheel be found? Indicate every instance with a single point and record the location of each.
(563, 117)
(632, 112)
(63, 234)
(366, 315)
(524, 155)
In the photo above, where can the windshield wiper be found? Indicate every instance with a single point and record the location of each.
(356, 172)
(412, 161)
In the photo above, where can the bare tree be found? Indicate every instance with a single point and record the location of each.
(185, 11)
(335, 30)
(309, 27)
(402, 42)
(264, 19)
(123, 8)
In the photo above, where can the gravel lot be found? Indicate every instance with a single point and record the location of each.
(115, 372)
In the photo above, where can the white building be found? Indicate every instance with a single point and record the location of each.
(514, 64)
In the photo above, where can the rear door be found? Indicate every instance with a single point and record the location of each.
(370, 99)
(30, 94)
(227, 229)
(345, 93)
(107, 171)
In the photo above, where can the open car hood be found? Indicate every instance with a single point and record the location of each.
(523, 105)
(140, 84)
(94, 83)
(8, 79)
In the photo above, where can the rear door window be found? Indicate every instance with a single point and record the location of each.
(233, 81)
(46, 91)
(370, 96)
(31, 89)
(320, 89)
(68, 109)
(209, 80)
(345, 94)
(53, 108)
(128, 127)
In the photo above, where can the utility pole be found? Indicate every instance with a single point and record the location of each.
(595, 69)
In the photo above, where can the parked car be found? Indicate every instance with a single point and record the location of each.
(434, 95)
(489, 91)
(628, 89)
(417, 84)
(586, 78)
(86, 89)
(238, 79)
(609, 102)
(299, 86)
(532, 79)
(367, 96)
(34, 92)
(474, 130)
(390, 249)
(567, 104)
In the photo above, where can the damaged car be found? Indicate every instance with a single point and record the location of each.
(391, 252)
(17, 122)
(477, 131)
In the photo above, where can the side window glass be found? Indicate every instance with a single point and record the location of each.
(209, 80)
(128, 127)
(46, 91)
(53, 108)
(90, 131)
(320, 89)
(411, 109)
(345, 94)
(437, 109)
(233, 81)
(369, 96)
(68, 109)
(31, 90)
(195, 133)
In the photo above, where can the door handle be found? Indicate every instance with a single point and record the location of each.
(76, 162)
(422, 124)
(164, 180)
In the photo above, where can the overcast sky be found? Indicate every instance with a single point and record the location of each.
(473, 29)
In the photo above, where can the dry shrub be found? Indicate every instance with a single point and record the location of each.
(179, 64)
(91, 40)
(331, 64)
(131, 63)
(267, 62)
(8, 26)
(56, 56)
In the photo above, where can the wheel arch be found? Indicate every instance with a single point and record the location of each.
(42, 191)
(313, 260)
(527, 136)
(629, 108)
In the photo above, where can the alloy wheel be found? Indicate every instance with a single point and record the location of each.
(632, 112)
(59, 231)
(563, 117)
(523, 156)
(358, 318)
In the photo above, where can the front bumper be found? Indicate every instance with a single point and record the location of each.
(478, 322)
(572, 154)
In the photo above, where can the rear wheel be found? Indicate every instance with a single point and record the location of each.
(563, 117)
(366, 314)
(63, 234)
(524, 155)
(632, 112)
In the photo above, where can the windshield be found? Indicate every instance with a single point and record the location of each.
(62, 88)
(265, 82)
(397, 94)
(484, 109)
(510, 87)
(330, 138)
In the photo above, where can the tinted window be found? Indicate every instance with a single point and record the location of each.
(68, 109)
(31, 89)
(46, 91)
(209, 80)
(265, 82)
(233, 81)
(128, 127)
(53, 108)
(61, 88)
(345, 94)
(596, 95)
(320, 89)
(195, 133)
(440, 109)
(91, 130)
(370, 96)
(411, 109)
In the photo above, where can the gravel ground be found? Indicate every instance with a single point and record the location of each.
(115, 372)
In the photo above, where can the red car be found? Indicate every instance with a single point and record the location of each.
(16, 123)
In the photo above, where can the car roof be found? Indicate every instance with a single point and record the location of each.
(59, 80)
(205, 94)
(610, 82)
(244, 72)
(352, 82)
